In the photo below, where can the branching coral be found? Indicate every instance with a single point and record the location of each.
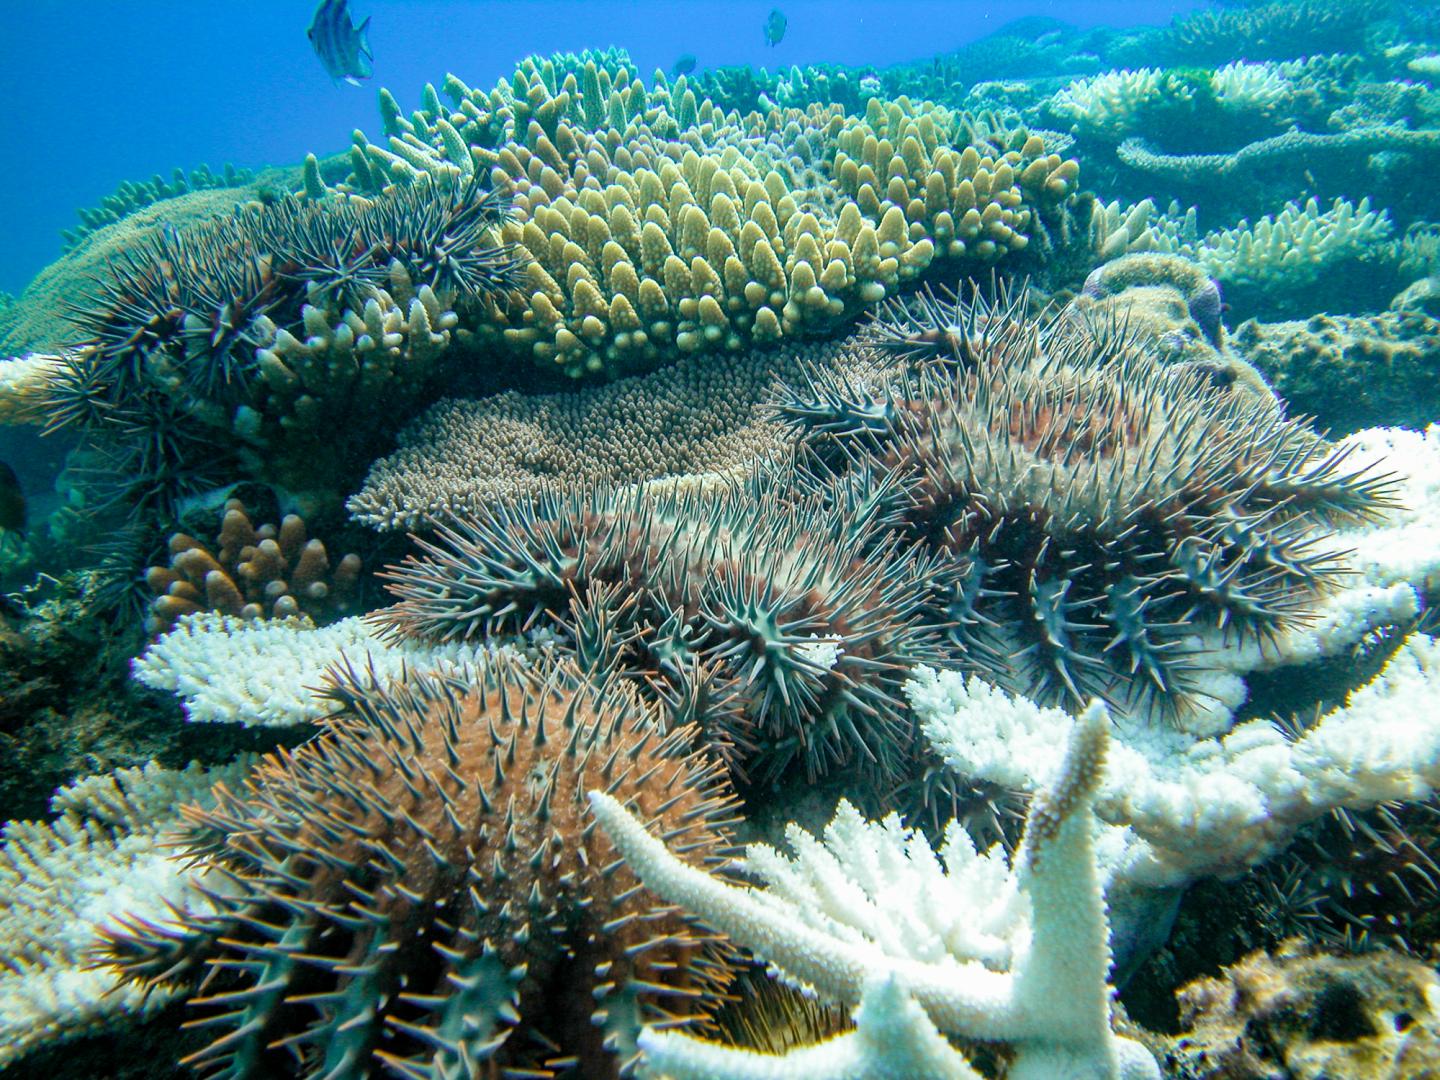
(418, 889)
(871, 915)
(1197, 806)
(659, 224)
(254, 573)
(104, 854)
(1294, 247)
(230, 670)
(1096, 511)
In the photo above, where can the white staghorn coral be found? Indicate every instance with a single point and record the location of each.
(1012, 953)
(1198, 806)
(893, 1040)
(104, 855)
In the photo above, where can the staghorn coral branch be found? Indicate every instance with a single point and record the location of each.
(835, 918)
(893, 1040)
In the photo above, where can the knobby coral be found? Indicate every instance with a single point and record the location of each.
(418, 889)
(253, 573)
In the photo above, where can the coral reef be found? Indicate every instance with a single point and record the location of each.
(266, 340)
(956, 941)
(38, 320)
(1276, 264)
(133, 195)
(1096, 511)
(1311, 1016)
(103, 854)
(269, 571)
(659, 225)
(1350, 372)
(1195, 806)
(1292, 153)
(1267, 31)
(418, 888)
(699, 417)
(23, 382)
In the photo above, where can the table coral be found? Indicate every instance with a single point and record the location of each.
(702, 416)
(229, 670)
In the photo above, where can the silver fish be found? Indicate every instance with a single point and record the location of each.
(343, 49)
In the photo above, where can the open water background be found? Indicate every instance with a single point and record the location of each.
(96, 92)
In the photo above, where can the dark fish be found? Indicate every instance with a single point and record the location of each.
(775, 27)
(12, 501)
(342, 49)
(684, 66)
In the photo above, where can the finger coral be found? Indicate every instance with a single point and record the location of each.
(419, 888)
(659, 225)
(1097, 511)
(254, 573)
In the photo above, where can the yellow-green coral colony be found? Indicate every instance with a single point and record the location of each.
(660, 225)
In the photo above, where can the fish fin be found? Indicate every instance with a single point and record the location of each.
(351, 80)
(364, 35)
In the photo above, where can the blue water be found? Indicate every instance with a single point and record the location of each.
(98, 94)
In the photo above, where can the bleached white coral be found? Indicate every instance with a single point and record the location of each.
(23, 380)
(1197, 805)
(989, 949)
(1112, 103)
(1217, 798)
(1242, 87)
(268, 672)
(104, 855)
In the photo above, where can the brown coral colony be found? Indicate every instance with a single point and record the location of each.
(256, 572)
